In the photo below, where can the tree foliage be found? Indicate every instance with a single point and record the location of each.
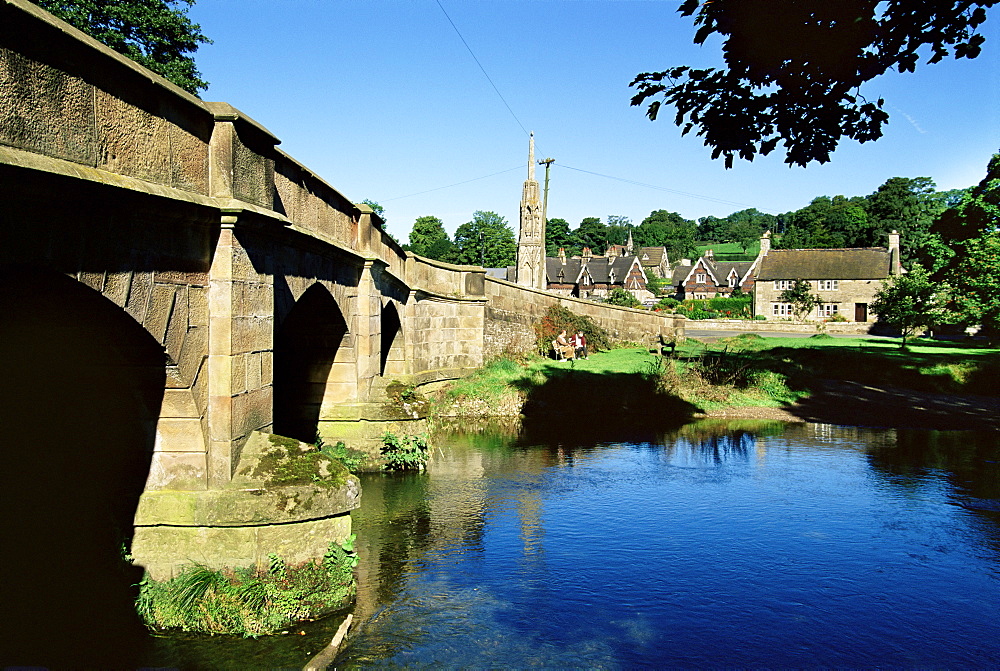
(794, 69)
(975, 281)
(904, 204)
(670, 230)
(977, 211)
(156, 34)
(557, 236)
(487, 240)
(745, 227)
(428, 238)
(376, 208)
(910, 301)
(592, 233)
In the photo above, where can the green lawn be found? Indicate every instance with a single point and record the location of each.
(742, 371)
(729, 248)
(932, 366)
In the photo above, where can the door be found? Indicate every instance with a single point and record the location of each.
(861, 312)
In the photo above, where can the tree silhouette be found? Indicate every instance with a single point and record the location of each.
(794, 69)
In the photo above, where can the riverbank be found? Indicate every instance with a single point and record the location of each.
(871, 383)
(849, 403)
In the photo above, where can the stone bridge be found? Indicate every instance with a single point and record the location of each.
(173, 286)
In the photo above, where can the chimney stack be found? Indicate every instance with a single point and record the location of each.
(765, 243)
(562, 255)
(895, 265)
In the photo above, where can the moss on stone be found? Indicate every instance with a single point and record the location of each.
(289, 462)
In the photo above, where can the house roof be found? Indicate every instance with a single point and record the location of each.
(599, 268)
(651, 256)
(680, 273)
(719, 270)
(870, 263)
(557, 272)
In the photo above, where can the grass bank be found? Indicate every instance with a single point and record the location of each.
(634, 384)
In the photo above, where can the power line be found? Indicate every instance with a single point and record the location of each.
(486, 74)
(474, 179)
(659, 188)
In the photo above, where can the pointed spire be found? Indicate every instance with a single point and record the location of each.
(531, 157)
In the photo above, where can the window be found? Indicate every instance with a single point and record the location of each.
(700, 278)
(829, 309)
(827, 285)
(781, 309)
(732, 280)
(782, 285)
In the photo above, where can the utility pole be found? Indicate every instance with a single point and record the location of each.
(545, 197)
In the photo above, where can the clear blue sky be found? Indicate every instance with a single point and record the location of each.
(384, 101)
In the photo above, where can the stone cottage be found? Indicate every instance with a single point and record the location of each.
(708, 278)
(654, 260)
(845, 279)
(589, 276)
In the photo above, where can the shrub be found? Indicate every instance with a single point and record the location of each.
(667, 303)
(735, 307)
(404, 453)
(619, 296)
(558, 318)
(695, 304)
(760, 318)
(352, 459)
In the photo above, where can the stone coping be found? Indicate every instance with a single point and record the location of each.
(787, 327)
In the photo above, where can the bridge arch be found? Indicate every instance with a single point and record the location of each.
(82, 388)
(391, 353)
(308, 346)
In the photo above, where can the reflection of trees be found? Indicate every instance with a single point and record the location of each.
(720, 441)
(968, 461)
(584, 408)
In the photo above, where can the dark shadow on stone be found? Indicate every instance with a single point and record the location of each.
(391, 329)
(586, 408)
(305, 346)
(83, 384)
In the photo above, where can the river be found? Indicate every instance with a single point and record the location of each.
(752, 544)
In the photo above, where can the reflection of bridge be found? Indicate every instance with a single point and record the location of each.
(171, 280)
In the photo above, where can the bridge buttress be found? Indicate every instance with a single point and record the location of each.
(240, 353)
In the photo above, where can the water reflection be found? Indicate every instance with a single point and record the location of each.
(713, 544)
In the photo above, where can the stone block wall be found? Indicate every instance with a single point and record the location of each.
(513, 310)
(848, 294)
(447, 337)
(94, 107)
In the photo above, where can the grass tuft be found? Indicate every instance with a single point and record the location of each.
(249, 602)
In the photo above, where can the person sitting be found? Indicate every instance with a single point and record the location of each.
(580, 345)
(563, 346)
